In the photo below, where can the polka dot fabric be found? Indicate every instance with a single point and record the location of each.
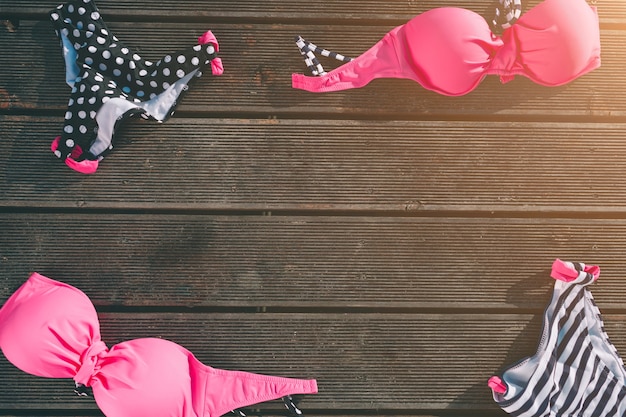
(111, 83)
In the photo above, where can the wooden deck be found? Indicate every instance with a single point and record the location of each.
(390, 242)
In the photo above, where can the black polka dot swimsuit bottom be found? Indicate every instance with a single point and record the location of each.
(111, 83)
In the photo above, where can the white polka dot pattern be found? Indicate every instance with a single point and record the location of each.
(110, 70)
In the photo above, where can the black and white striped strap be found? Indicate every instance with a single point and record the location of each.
(506, 14)
(307, 50)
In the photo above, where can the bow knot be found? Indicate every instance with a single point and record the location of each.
(216, 63)
(217, 68)
(88, 362)
(577, 273)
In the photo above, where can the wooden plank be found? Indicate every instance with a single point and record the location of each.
(275, 10)
(249, 10)
(311, 263)
(259, 60)
(415, 167)
(361, 361)
(611, 11)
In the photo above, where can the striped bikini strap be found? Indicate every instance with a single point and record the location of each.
(506, 14)
(308, 49)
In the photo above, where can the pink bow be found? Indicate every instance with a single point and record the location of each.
(216, 63)
(565, 271)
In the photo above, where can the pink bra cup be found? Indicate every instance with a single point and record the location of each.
(51, 329)
(450, 50)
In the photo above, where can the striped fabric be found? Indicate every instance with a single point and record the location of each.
(290, 404)
(506, 14)
(307, 50)
(576, 370)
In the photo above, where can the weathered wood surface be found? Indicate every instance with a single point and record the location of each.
(395, 166)
(611, 11)
(314, 263)
(407, 253)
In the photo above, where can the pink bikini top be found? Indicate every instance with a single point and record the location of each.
(51, 329)
(449, 50)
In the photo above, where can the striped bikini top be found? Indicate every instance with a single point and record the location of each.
(51, 329)
(576, 370)
(450, 50)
